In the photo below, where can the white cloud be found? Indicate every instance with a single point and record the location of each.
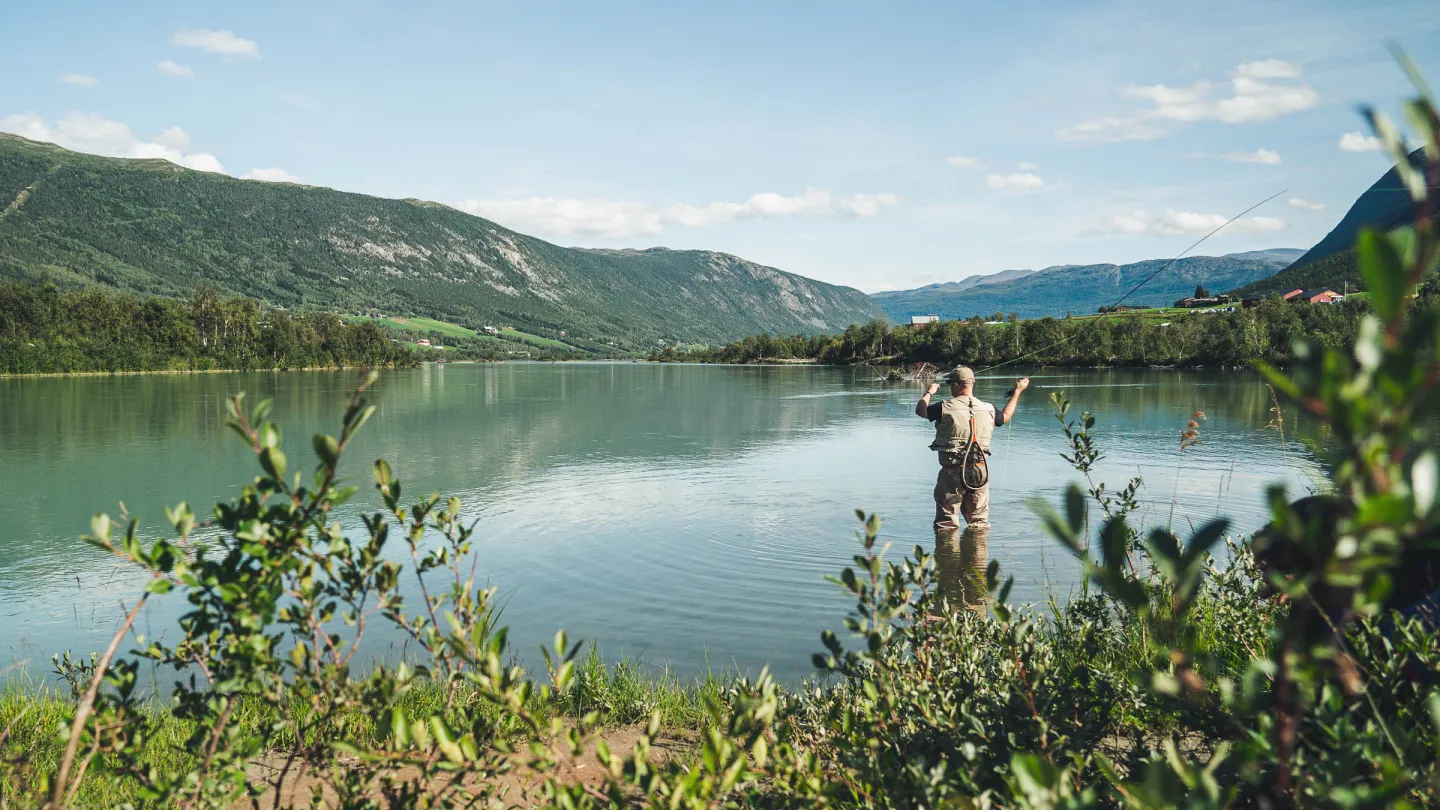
(622, 219)
(80, 80)
(1027, 167)
(224, 43)
(1301, 202)
(1014, 182)
(100, 136)
(1359, 142)
(174, 70)
(1267, 156)
(1268, 69)
(1258, 91)
(1111, 129)
(272, 176)
(962, 162)
(1184, 223)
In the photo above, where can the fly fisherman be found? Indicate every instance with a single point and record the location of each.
(963, 425)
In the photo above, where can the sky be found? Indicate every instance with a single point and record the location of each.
(876, 145)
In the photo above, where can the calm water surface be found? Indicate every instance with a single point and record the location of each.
(685, 515)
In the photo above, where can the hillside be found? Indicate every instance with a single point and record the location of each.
(151, 227)
(1331, 262)
(948, 288)
(1288, 255)
(1077, 289)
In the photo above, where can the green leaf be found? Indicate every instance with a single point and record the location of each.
(362, 418)
(1423, 482)
(270, 435)
(273, 460)
(1368, 349)
(1383, 272)
(261, 410)
(1205, 537)
(1075, 508)
(327, 448)
(1394, 144)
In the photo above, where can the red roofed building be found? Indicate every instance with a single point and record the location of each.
(1319, 295)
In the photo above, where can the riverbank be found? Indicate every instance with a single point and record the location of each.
(189, 371)
(622, 698)
(1219, 339)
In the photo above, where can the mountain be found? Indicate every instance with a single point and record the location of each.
(1288, 255)
(1384, 206)
(950, 288)
(151, 227)
(1078, 289)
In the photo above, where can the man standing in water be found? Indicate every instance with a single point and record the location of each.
(954, 420)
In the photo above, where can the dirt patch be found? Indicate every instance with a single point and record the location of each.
(298, 785)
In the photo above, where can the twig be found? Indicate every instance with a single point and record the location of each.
(87, 705)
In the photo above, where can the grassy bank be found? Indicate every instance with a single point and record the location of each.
(620, 695)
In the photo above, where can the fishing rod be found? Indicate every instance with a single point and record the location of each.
(1133, 290)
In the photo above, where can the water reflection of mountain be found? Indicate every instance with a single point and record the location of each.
(78, 445)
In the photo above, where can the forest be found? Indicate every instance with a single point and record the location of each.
(1265, 332)
(45, 330)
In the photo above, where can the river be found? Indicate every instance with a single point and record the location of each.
(685, 515)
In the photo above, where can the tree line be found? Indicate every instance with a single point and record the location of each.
(44, 329)
(1265, 332)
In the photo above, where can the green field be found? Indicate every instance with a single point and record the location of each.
(421, 325)
(507, 337)
(534, 340)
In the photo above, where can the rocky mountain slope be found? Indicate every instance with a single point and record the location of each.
(151, 227)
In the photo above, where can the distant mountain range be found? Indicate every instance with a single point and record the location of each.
(151, 227)
(1331, 263)
(1082, 289)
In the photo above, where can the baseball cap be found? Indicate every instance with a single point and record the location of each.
(960, 374)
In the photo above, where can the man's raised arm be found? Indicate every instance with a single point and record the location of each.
(1009, 412)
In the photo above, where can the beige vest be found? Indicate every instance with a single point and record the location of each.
(952, 432)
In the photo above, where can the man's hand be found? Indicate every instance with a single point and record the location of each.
(1014, 396)
(922, 408)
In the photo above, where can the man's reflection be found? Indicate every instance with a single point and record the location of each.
(960, 561)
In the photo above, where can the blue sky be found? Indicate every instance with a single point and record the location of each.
(879, 145)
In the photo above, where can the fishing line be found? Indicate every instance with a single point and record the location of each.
(1134, 289)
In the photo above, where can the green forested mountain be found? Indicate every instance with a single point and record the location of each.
(1331, 262)
(1077, 289)
(151, 227)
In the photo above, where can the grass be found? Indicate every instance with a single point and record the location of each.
(34, 718)
(534, 340)
(426, 325)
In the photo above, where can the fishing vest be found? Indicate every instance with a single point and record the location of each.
(952, 432)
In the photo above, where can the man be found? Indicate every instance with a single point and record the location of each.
(953, 419)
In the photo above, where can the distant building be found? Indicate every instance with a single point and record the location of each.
(422, 342)
(1214, 300)
(1289, 295)
(1319, 295)
(917, 321)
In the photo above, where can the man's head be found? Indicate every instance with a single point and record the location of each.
(961, 380)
